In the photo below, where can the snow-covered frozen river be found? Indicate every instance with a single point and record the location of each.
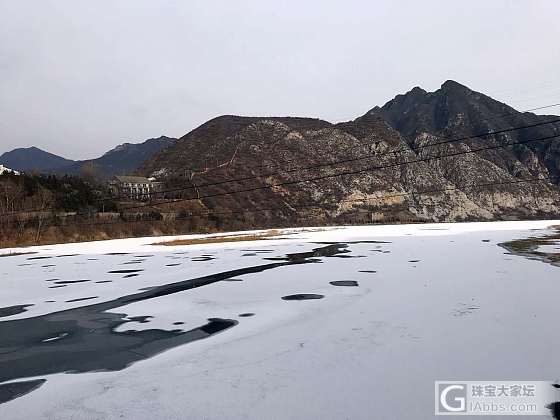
(331, 323)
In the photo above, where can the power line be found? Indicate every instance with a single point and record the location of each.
(345, 173)
(317, 166)
(321, 205)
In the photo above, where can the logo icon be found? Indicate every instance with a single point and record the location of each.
(451, 398)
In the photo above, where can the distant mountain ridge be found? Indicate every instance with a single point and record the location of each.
(121, 160)
(33, 158)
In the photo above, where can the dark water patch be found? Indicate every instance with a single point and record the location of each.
(41, 257)
(413, 261)
(252, 254)
(367, 271)
(50, 301)
(104, 281)
(203, 258)
(529, 248)
(117, 253)
(144, 256)
(178, 323)
(14, 390)
(94, 343)
(24, 264)
(52, 279)
(48, 265)
(130, 275)
(486, 240)
(81, 299)
(133, 262)
(233, 280)
(143, 319)
(67, 255)
(349, 283)
(14, 310)
(246, 314)
(172, 265)
(70, 281)
(58, 287)
(93, 259)
(331, 250)
(125, 271)
(303, 296)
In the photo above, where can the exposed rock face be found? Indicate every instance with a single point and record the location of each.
(231, 147)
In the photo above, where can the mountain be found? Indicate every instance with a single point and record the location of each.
(264, 151)
(33, 159)
(123, 159)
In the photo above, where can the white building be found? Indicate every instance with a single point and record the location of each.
(3, 170)
(134, 187)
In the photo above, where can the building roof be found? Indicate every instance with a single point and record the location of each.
(133, 179)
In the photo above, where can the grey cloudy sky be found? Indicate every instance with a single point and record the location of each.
(78, 77)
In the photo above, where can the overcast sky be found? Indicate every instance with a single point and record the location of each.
(79, 77)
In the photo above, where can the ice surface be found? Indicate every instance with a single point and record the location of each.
(434, 302)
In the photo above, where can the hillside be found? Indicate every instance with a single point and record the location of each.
(121, 160)
(231, 147)
(33, 159)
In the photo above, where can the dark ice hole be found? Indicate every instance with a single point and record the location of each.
(246, 314)
(141, 319)
(13, 310)
(70, 281)
(344, 283)
(303, 296)
(80, 299)
(124, 271)
(130, 275)
(104, 281)
(203, 258)
(14, 390)
(172, 265)
(367, 271)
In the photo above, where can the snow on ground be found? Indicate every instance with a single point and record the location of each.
(433, 302)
